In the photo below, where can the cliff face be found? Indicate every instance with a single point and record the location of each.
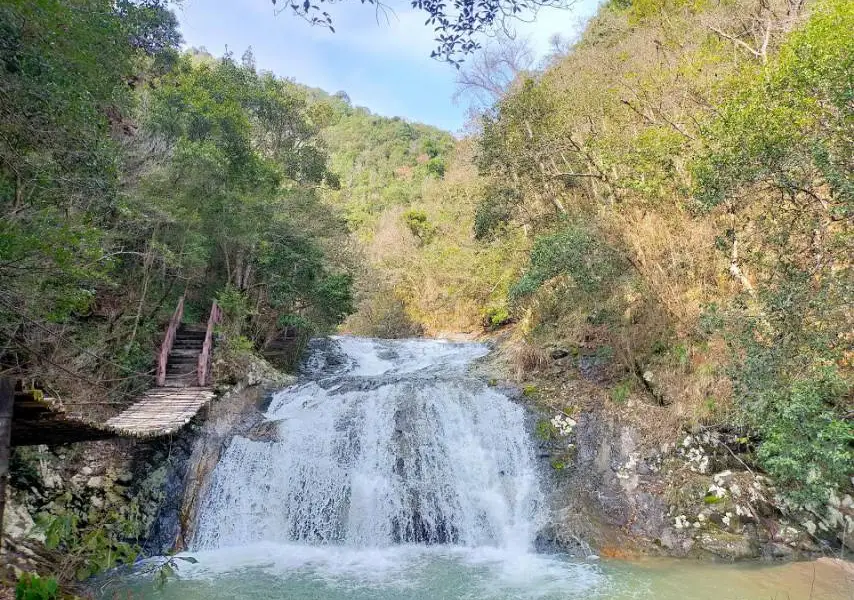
(625, 479)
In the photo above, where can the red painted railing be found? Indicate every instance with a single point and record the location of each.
(205, 356)
(166, 347)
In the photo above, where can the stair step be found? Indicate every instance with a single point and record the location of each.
(179, 373)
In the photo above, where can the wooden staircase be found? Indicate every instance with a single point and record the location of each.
(182, 366)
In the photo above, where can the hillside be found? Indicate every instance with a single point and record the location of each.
(669, 204)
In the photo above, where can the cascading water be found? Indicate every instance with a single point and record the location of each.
(390, 442)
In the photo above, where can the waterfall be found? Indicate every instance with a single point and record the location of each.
(381, 443)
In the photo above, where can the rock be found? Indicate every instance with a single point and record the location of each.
(124, 477)
(50, 478)
(86, 471)
(777, 550)
(679, 545)
(18, 524)
(559, 353)
(96, 482)
(728, 546)
(96, 501)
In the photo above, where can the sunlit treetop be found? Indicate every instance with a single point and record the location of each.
(457, 24)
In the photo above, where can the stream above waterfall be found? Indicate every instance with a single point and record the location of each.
(389, 472)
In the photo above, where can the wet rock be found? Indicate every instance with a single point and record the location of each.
(550, 541)
(265, 431)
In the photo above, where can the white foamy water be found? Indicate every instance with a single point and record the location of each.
(393, 444)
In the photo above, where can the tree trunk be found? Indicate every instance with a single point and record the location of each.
(7, 399)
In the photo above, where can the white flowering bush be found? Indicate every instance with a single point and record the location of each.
(563, 424)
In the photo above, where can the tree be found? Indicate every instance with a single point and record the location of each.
(457, 25)
(493, 70)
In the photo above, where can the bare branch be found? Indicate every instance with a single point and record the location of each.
(737, 41)
(494, 70)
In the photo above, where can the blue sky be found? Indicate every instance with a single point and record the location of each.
(382, 62)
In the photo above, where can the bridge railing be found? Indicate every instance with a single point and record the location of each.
(168, 341)
(204, 369)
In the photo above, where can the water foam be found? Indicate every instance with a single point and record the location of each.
(402, 447)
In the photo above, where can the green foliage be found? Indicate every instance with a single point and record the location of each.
(381, 162)
(620, 392)
(792, 393)
(90, 543)
(33, 587)
(418, 224)
(530, 391)
(496, 316)
(575, 252)
(546, 430)
(806, 446)
(787, 128)
(789, 125)
(494, 212)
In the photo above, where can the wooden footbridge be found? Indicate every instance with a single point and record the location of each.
(182, 389)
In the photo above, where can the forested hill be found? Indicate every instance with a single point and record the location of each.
(132, 173)
(380, 162)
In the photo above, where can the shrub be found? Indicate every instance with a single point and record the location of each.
(494, 212)
(418, 224)
(805, 445)
(791, 390)
(496, 316)
(90, 543)
(577, 252)
(545, 430)
(32, 587)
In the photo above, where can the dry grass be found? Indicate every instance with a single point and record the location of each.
(526, 358)
(676, 257)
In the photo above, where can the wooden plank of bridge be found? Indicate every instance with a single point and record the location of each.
(160, 411)
(7, 402)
